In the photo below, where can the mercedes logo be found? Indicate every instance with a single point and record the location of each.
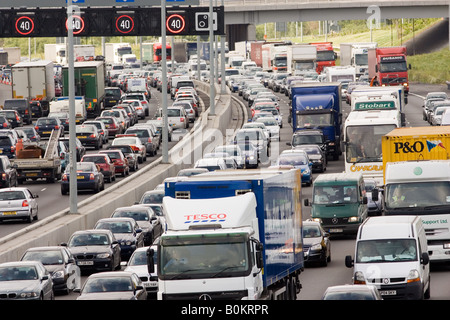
(205, 297)
(334, 220)
(386, 280)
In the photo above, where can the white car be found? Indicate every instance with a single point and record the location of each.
(138, 264)
(233, 151)
(18, 203)
(176, 117)
(211, 164)
(272, 125)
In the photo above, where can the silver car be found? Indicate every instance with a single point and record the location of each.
(18, 203)
(25, 280)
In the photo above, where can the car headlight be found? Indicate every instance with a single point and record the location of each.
(413, 276)
(316, 247)
(317, 220)
(58, 274)
(306, 171)
(359, 278)
(353, 219)
(103, 255)
(27, 295)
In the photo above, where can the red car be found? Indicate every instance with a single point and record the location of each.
(105, 163)
(119, 160)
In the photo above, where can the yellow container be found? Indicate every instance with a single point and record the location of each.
(416, 143)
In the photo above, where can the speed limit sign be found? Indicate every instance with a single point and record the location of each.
(24, 25)
(176, 23)
(78, 24)
(125, 24)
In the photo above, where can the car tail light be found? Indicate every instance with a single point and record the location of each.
(182, 119)
(191, 111)
(92, 135)
(64, 177)
(25, 203)
(3, 176)
(91, 176)
(5, 125)
(149, 140)
(17, 118)
(13, 149)
(62, 157)
(56, 127)
(36, 127)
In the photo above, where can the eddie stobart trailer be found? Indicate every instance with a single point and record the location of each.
(243, 232)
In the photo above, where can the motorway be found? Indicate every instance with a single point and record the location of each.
(314, 279)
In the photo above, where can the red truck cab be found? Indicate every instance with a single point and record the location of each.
(326, 57)
(389, 65)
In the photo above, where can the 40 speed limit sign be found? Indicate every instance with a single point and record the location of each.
(176, 24)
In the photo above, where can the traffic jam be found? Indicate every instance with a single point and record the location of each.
(231, 226)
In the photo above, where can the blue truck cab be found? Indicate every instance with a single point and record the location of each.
(318, 106)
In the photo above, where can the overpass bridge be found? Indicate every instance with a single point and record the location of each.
(241, 16)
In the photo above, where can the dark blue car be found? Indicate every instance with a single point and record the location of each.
(45, 125)
(88, 178)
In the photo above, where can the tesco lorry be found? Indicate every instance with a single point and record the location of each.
(232, 235)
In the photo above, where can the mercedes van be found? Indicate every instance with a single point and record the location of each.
(391, 253)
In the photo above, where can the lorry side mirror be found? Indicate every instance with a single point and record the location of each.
(375, 194)
(409, 66)
(306, 202)
(150, 261)
(425, 259)
(364, 200)
(349, 262)
(288, 144)
(376, 68)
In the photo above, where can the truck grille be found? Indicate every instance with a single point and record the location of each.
(182, 194)
(220, 295)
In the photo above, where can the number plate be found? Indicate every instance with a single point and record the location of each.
(46, 132)
(150, 284)
(336, 230)
(388, 292)
(80, 177)
(33, 174)
(82, 137)
(85, 263)
(9, 213)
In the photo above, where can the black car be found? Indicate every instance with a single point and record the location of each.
(309, 136)
(146, 219)
(126, 231)
(315, 155)
(8, 173)
(112, 96)
(61, 265)
(95, 250)
(7, 146)
(37, 110)
(45, 125)
(81, 150)
(22, 106)
(152, 196)
(316, 243)
(89, 136)
(4, 123)
(63, 117)
(13, 118)
(31, 133)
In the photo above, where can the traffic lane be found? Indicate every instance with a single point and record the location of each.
(51, 201)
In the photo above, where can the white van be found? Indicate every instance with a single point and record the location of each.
(137, 85)
(61, 104)
(445, 120)
(391, 253)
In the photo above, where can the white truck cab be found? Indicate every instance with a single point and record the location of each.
(391, 253)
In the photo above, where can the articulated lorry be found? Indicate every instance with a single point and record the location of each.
(274, 57)
(356, 55)
(326, 57)
(235, 235)
(35, 162)
(301, 59)
(388, 64)
(34, 81)
(318, 106)
(89, 83)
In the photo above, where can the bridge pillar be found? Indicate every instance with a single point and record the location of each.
(239, 32)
